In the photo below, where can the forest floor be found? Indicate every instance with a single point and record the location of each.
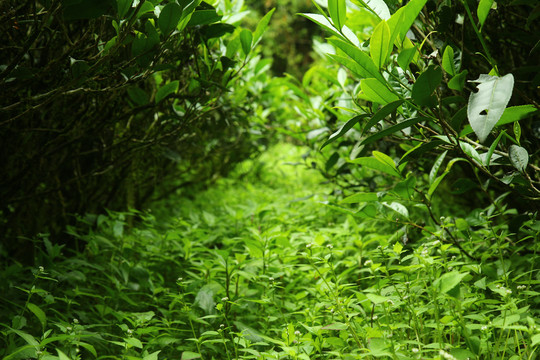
(258, 267)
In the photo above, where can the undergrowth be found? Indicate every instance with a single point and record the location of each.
(258, 268)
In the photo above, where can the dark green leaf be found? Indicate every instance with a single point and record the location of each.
(382, 114)
(169, 17)
(425, 85)
(458, 81)
(204, 17)
(448, 61)
(343, 130)
(166, 90)
(392, 129)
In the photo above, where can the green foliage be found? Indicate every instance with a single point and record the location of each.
(112, 104)
(255, 267)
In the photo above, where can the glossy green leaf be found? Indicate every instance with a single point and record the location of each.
(410, 13)
(393, 129)
(385, 159)
(169, 17)
(262, 26)
(338, 12)
(448, 281)
(471, 151)
(380, 45)
(146, 7)
(448, 61)
(458, 81)
(436, 166)
(492, 149)
(385, 111)
(166, 90)
(343, 130)
(364, 68)
(425, 86)
(204, 17)
(487, 105)
(483, 10)
(377, 92)
(519, 157)
(246, 37)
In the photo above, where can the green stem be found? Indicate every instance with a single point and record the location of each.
(481, 38)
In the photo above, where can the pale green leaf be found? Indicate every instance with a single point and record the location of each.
(188, 355)
(397, 207)
(376, 299)
(483, 9)
(373, 163)
(519, 157)
(488, 104)
(449, 281)
(338, 12)
(61, 355)
(152, 356)
(335, 326)
(410, 12)
(262, 26)
(510, 115)
(345, 34)
(378, 7)
(380, 45)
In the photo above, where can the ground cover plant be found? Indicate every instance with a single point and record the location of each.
(392, 213)
(257, 268)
